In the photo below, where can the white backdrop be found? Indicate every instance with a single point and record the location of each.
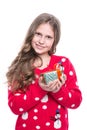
(15, 18)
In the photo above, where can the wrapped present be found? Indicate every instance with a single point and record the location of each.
(56, 73)
(50, 76)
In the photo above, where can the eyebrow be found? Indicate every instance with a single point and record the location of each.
(37, 32)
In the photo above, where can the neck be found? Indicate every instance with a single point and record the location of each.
(45, 60)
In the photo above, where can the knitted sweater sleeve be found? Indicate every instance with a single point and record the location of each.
(21, 102)
(69, 95)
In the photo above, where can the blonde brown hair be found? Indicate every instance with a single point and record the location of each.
(21, 71)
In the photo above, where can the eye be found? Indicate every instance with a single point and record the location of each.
(48, 37)
(37, 34)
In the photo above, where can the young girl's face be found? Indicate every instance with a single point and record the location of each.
(43, 39)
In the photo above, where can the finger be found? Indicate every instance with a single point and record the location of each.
(53, 84)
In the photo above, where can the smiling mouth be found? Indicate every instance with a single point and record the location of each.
(39, 46)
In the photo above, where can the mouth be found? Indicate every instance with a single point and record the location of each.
(40, 46)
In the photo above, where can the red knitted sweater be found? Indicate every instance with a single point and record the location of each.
(41, 110)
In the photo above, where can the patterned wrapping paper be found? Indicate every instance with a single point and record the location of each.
(56, 73)
(50, 76)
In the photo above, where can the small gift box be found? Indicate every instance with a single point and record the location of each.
(50, 76)
(54, 74)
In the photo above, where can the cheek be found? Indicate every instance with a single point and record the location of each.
(50, 45)
(33, 41)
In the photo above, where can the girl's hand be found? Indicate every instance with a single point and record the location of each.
(53, 86)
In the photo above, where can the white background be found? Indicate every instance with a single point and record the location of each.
(15, 18)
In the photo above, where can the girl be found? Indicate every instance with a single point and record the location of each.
(40, 98)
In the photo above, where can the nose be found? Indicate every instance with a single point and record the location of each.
(42, 40)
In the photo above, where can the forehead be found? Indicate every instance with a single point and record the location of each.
(46, 27)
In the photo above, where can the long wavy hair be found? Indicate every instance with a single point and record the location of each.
(21, 71)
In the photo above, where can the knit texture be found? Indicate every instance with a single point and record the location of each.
(41, 110)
